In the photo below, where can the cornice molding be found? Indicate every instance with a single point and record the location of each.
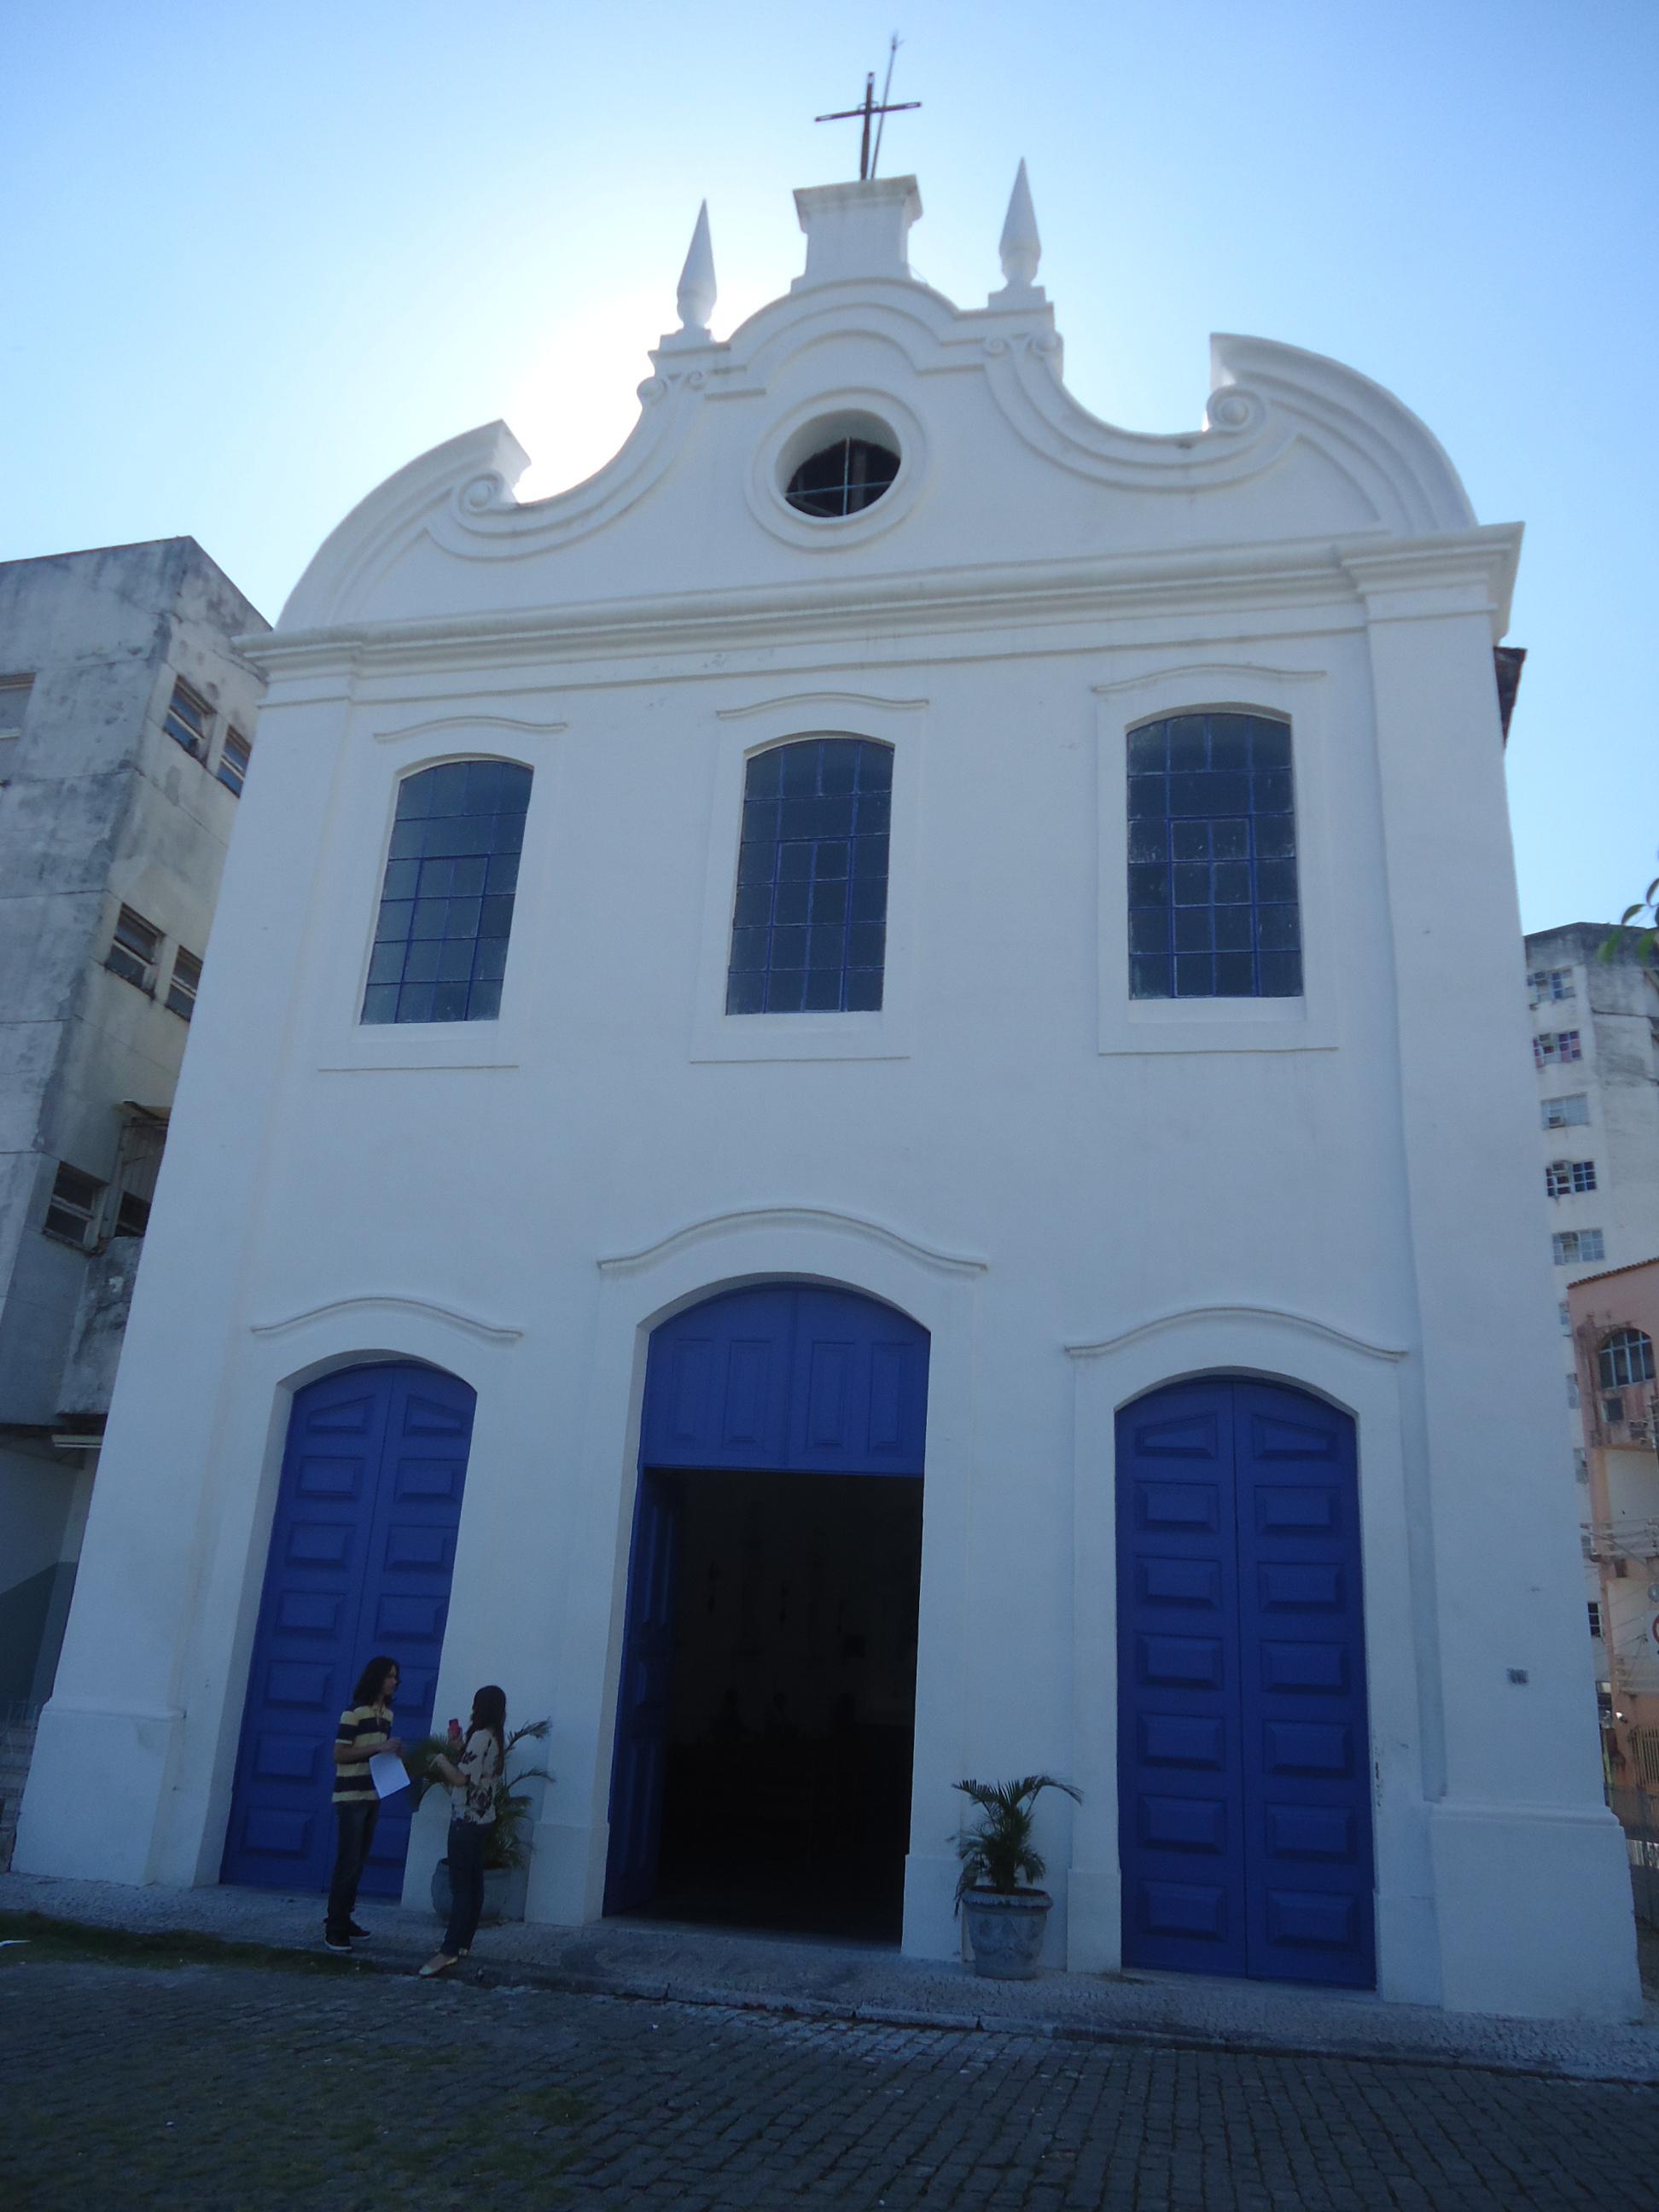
(374, 1302)
(1293, 574)
(796, 1218)
(1285, 1318)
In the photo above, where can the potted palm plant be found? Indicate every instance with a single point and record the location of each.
(997, 1894)
(506, 1847)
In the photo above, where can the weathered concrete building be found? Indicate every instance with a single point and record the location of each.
(824, 1141)
(1595, 1049)
(126, 720)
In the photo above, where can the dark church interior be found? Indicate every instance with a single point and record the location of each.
(787, 1800)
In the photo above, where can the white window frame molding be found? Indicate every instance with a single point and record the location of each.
(739, 733)
(342, 1042)
(1310, 1024)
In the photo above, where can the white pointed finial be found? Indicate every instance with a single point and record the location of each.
(697, 294)
(1021, 247)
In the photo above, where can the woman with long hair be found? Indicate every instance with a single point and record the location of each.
(476, 1775)
(365, 1727)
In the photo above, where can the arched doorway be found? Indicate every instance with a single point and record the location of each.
(1244, 1770)
(766, 1702)
(362, 1551)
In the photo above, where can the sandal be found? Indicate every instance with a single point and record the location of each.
(440, 1964)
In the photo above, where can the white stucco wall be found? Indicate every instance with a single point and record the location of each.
(1079, 1195)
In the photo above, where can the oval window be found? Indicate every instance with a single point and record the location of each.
(842, 478)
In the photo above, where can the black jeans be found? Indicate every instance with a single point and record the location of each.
(467, 1851)
(354, 1831)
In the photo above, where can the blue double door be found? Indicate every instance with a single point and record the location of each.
(785, 1383)
(1244, 1770)
(362, 1549)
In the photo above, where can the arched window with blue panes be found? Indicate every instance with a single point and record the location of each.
(809, 925)
(1214, 911)
(446, 912)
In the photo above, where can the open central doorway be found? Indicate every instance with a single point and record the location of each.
(767, 1703)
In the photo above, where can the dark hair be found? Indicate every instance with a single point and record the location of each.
(367, 1691)
(489, 1711)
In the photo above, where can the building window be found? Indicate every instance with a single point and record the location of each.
(1572, 1392)
(1546, 984)
(843, 478)
(135, 950)
(446, 899)
(1563, 1177)
(1574, 1245)
(1566, 1113)
(1213, 910)
(143, 1135)
(187, 719)
(1580, 1467)
(234, 757)
(1562, 1045)
(1595, 1618)
(1626, 1357)
(186, 981)
(14, 698)
(1565, 1312)
(809, 924)
(72, 1209)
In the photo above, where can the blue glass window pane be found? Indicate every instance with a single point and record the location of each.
(1281, 975)
(829, 900)
(1187, 748)
(440, 946)
(1212, 874)
(1192, 882)
(814, 849)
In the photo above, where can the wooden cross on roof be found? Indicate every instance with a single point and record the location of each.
(870, 108)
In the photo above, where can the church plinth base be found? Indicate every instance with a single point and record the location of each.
(1535, 1914)
(97, 1790)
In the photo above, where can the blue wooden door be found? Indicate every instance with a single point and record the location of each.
(1244, 1772)
(362, 1548)
(795, 1380)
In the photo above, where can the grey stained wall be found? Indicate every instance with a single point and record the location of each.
(100, 807)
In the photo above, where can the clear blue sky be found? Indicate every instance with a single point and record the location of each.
(255, 258)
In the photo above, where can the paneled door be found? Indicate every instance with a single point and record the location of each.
(1244, 1772)
(362, 1552)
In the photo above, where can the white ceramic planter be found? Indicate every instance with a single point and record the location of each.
(504, 1892)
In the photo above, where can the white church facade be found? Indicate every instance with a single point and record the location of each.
(861, 1116)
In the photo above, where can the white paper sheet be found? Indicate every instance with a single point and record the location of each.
(386, 1771)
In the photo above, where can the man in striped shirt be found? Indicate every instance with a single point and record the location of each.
(365, 1727)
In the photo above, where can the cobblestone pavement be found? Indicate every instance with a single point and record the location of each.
(243, 2089)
